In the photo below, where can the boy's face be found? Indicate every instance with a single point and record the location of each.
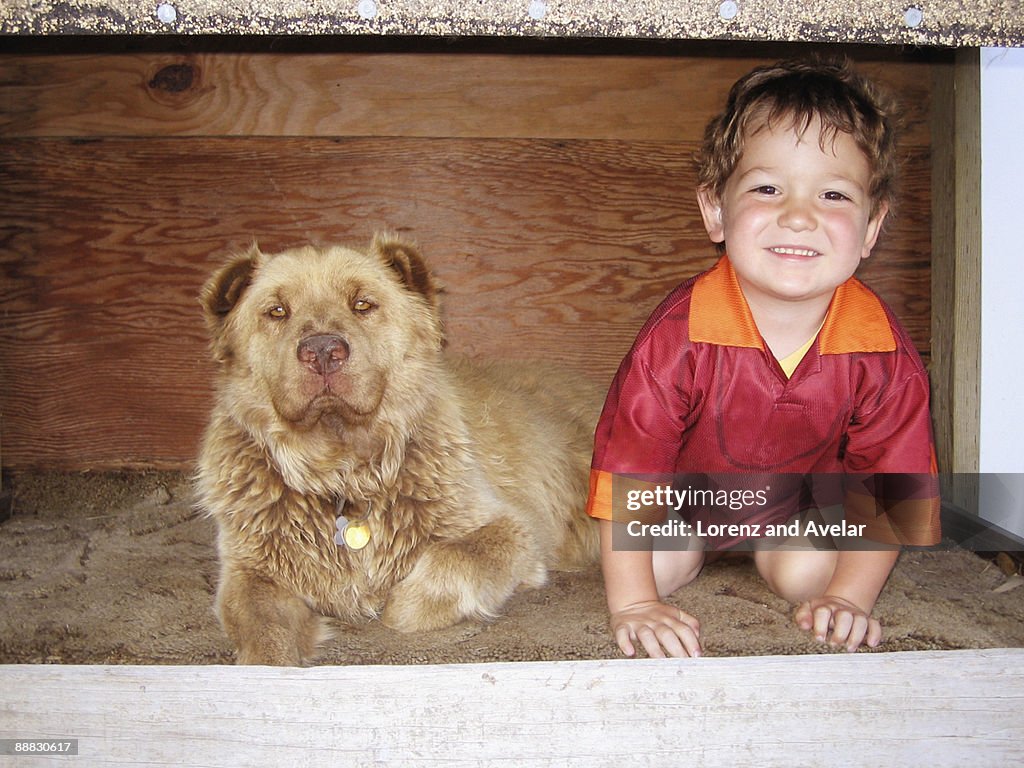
(796, 220)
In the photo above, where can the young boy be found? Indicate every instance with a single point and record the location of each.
(773, 364)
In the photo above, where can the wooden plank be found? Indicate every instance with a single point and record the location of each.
(943, 280)
(467, 95)
(548, 249)
(949, 708)
(956, 274)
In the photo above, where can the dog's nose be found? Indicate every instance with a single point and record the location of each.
(324, 353)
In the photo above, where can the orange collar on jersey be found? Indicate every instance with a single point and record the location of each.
(719, 314)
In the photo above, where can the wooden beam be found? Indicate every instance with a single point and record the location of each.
(956, 274)
(949, 708)
(470, 95)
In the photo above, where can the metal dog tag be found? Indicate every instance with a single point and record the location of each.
(355, 533)
(339, 535)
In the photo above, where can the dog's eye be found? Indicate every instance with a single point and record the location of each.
(362, 305)
(277, 312)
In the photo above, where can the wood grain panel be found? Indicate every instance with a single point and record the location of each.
(946, 709)
(663, 98)
(549, 249)
(956, 276)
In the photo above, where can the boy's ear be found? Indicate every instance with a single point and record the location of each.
(874, 229)
(711, 213)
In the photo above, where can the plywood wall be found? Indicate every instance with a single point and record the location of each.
(553, 195)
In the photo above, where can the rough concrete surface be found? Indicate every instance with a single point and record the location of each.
(895, 22)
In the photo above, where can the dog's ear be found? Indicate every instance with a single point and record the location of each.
(226, 286)
(405, 259)
(222, 293)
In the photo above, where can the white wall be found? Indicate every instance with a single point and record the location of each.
(1002, 287)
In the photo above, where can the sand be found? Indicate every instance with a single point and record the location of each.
(121, 569)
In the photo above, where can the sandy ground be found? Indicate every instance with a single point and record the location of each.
(114, 569)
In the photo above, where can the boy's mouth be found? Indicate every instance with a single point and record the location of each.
(801, 252)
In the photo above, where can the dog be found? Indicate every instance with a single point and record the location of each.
(356, 471)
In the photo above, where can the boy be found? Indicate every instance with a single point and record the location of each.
(775, 363)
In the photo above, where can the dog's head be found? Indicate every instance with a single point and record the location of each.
(323, 335)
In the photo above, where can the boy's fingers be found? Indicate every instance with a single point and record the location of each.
(843, 627)
(665, 630)
(803, 617)
(849, 629)
(624, 637)
(663, 640)
(691, 642)
(649, 640)
(670, 642)
(822, 618)
(681, 641)
(682, 638)
(858, 629)
(690, 621)
(874, 637)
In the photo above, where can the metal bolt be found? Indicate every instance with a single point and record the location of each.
(367, 9)
(167, 13)
(728, 10)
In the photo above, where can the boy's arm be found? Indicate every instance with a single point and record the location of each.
(846, 606)
(891, 436)
(637, 614)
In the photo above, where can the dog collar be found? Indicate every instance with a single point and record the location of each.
(351, 532)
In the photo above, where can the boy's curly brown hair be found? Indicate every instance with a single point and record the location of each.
(802, 91)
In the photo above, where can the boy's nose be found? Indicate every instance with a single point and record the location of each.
(798, 215)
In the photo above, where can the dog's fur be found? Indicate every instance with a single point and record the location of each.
(473, 477)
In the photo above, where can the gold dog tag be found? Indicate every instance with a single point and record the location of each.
(354, 534)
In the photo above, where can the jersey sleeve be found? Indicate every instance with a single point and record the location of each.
(889, 460)
(638, 435)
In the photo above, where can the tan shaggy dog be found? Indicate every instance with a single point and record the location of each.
(335, 403)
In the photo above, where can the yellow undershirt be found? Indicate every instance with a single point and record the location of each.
(792, 360)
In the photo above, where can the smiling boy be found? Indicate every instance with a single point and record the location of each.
(776, 362)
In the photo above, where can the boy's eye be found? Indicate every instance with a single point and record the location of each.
(766, 189)
(833, 195)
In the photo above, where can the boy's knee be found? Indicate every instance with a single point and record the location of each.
(673, 570)
(796, 576)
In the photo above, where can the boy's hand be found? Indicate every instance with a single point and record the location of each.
(849, 624)
(661, 629)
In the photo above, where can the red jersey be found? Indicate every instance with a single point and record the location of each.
(700, 392)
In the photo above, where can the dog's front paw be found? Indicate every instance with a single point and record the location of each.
(411, 609)
(470, 577)
(267, 623)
